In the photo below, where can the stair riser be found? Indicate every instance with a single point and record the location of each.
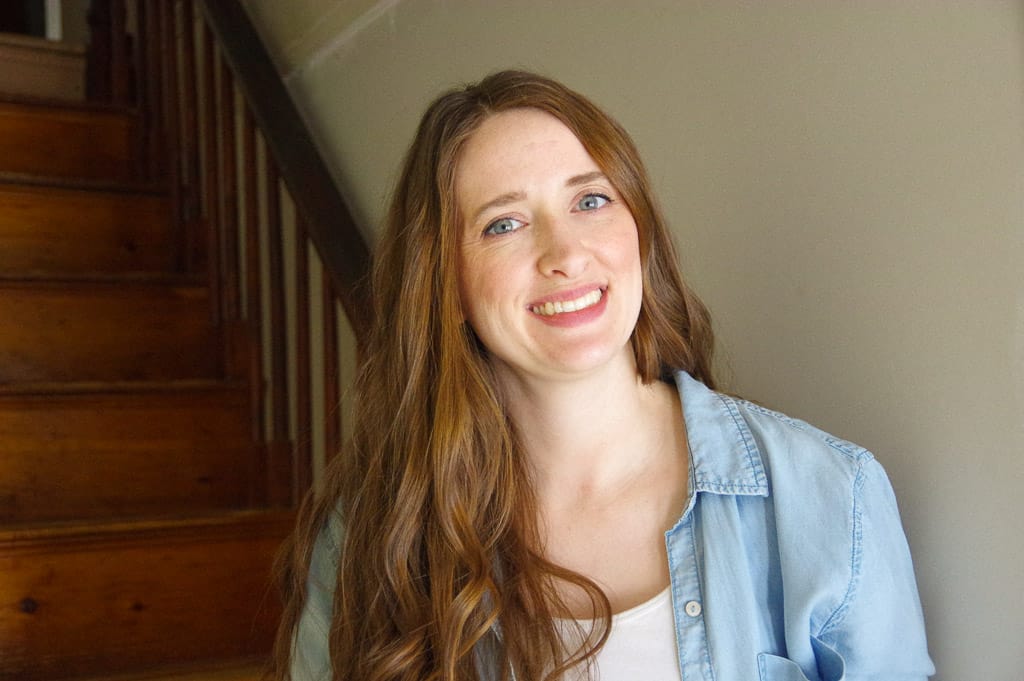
(68, 232)
(41, 68)
(105, 332)
(67, 143)
(81, 607)
(94, 456)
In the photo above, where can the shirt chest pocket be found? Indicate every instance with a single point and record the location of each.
(830, 666)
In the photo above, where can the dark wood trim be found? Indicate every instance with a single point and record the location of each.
(229, 194)
(303, 372)
(254, 301)
(332, 390)
(172, 78)
(278, 306)
(120, 66)
(211, 189)
(331, 226)
(98, 57)
(189, 211)
(140, 90)
(153, 105)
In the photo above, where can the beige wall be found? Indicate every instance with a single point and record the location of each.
(845, 181)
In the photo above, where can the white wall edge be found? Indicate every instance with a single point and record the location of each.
(54, 25)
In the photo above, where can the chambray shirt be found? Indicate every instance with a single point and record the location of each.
(789, 562)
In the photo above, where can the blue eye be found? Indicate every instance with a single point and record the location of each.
(503, 226)
(592, 202)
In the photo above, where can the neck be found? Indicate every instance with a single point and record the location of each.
(592, 434)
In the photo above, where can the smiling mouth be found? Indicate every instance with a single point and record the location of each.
(550, 308)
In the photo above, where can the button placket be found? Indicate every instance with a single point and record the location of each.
(691, 636)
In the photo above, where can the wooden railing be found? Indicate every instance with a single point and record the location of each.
(257, 209)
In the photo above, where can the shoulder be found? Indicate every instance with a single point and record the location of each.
(834, 509)
(741, 447)
(809, 468)
(323, 565)
(831, 503)
(784, 439)
(310, 659)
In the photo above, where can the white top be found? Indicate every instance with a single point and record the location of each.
(642, 646)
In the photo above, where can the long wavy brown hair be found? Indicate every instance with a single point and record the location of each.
(441, 553)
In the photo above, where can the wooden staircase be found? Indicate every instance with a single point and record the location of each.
(136, 539)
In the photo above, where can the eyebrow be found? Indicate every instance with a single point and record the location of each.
(497, 202)
(577, 180)
(511, 197)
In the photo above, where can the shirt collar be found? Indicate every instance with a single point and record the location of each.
(724, 457)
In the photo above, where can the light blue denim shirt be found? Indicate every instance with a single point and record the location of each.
(789, 562)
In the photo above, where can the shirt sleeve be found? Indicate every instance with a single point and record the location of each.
(310, 658)
(879, 629)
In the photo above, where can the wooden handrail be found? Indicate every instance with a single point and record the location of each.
(330, 224)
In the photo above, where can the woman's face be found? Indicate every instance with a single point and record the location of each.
(549, 260)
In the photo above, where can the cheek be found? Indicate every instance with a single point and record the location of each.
(461, 277)
(488, 277)
(627, 249)
(467, 286)
(478, 286)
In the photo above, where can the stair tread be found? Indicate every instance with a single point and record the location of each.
(40, 42)
(70, 388)
(18, 99)
(74, 232)
(33, 141)
(14, 104)
(39, 69)
(153, 188)
(150, 329)
(33, 279)
(235, 523)
(232, 670)
(88, 599)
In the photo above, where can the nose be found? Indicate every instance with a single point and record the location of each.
(561, 252)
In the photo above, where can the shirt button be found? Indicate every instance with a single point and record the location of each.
(693, 609)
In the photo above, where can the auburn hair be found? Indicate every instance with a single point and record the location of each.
(440, 554)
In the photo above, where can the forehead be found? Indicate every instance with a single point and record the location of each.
(514, 129)
(517, 147)
(523, 120)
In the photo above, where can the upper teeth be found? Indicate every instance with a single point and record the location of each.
(549, 308)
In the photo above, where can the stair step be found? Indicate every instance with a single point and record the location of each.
(98, 277)
(66, 230)
(37, 67)
(240, 670)
(97, 450)
(67, 141)
(105, 330)
(132, 185)
(86, 600)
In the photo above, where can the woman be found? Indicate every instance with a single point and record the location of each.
(542, 483)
